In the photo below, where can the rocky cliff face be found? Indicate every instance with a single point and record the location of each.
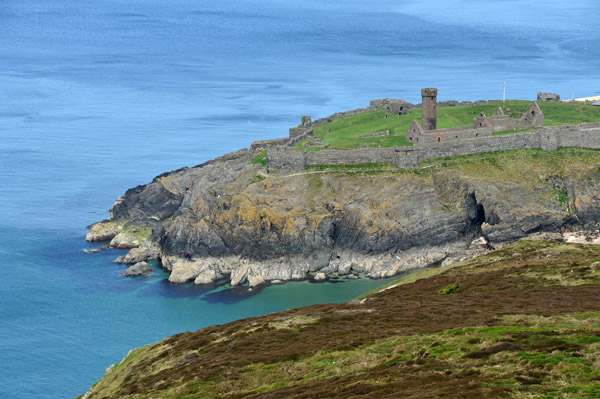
(240, 225)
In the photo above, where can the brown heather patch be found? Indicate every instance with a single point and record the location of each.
(227, 361)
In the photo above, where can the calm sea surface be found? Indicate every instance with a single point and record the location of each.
(99, 96)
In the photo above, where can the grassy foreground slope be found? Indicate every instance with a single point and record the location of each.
(525, 321)
(341, 133)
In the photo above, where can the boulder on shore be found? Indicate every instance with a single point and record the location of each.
(103, 231)
(91, 251)
(138, 269)
(136, 255)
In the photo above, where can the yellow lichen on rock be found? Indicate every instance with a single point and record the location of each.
(272, 218)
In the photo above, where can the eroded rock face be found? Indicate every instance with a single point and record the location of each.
(253, 230)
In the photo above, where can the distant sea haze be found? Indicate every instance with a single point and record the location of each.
(98, 97)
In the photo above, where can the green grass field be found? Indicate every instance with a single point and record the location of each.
(341, 133)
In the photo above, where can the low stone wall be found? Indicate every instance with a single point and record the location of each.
(294, 159)
(548, 139)
(497, 123)
(403, 157)
(376, 134)
(268, 143)
(294, 140)
(588, 126)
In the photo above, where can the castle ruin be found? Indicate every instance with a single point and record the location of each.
(429, 141)
(548, 97)
(483, 126)
(305, 130)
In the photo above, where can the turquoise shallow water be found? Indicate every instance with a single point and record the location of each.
(67, 315)
(98, 97)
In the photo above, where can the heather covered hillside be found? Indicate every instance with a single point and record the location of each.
(516, 322)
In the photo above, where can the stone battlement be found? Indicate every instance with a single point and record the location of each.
(429, 92)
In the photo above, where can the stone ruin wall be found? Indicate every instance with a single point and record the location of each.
(497, 123)
(267, 143)
(548, 139)
(548, 97)
(294, 159)
(400, 156)
(450, 134)
(533, 117)
(588, 126)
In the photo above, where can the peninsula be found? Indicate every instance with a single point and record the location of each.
(513, 311)
(459, 183)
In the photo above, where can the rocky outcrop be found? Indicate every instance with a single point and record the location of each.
(103, 231)
(91, 251)
(239, 225)
(139, 269)
(139, 254)
(320, 276)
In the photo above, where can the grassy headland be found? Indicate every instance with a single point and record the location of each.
(341, 133)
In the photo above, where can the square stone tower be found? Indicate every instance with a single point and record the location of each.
(429, 108)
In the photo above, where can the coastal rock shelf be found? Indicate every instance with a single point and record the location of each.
(225, 219)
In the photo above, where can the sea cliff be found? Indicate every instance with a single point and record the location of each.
(240, 223)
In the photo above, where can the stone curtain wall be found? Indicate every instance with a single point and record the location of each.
(548, 139)
(403, 157)
(488, 144)
(294, 159)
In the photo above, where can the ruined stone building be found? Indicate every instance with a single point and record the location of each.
(548, 97)
(483, 126)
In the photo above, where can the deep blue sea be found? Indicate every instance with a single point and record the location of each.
(100, 96)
